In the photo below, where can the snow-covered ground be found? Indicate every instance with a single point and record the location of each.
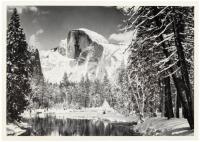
(99, 113)
(163, 126)
(16, 128)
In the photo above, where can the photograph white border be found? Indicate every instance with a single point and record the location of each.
(4, 5)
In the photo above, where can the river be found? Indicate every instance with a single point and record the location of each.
(52, 126)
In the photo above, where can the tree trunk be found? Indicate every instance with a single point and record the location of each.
(177, 105)
(163, 105)
(168, 99)
(180, 86)
(184, 114)
(176, 28)
(162, 96)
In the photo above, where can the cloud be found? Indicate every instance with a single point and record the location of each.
(122, 38)
(33, 41)
(40, 31)
(21, 9)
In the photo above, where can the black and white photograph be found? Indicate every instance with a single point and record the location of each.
(123, 70)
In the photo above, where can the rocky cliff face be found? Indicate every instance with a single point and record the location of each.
(77, 41)
(87, 52)
(94, 52)
(36, 64)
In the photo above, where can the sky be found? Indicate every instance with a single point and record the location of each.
(46, 26)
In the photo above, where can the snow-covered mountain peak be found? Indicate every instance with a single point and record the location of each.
(87, 52)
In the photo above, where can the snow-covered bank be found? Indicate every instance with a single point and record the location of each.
(105, 112)
(16, 129)
(163, 126)
(88, 113)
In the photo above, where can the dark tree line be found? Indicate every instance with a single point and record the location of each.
(163, 52)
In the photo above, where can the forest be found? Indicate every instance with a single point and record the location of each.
(159, 77)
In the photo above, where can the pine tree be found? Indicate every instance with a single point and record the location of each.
(81, 93)
(65, 80)
(107, 93)
(75, 103)
(124, 97)
(65, 89)
(96, 94)
(18, 69)
(87, 91)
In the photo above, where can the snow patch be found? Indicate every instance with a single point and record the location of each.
(16, 129)
(163, 126)
(98, 113)
(94, 36)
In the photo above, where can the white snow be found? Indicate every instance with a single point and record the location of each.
(173, 126)
(16, 128)
(54, 65)
(105, 106)
(94, 36)
(113, 56)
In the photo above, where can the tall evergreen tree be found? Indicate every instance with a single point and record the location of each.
(107, 94)
(96, 93)
(87, 84)
(18, 68)
(65, 80)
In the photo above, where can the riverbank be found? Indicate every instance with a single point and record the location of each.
(85, 113)
(17, 128)
(159, 126)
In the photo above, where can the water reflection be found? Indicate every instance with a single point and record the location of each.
(52, 126)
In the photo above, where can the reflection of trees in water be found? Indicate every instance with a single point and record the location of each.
(50, 125)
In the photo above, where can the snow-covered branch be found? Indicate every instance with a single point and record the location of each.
(166, 27)
(167, 67)
(160, 12)
(161, 42)
(172, 73)
(164, 61)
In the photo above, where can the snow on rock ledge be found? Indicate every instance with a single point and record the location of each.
(87, 52)
(94, 36)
